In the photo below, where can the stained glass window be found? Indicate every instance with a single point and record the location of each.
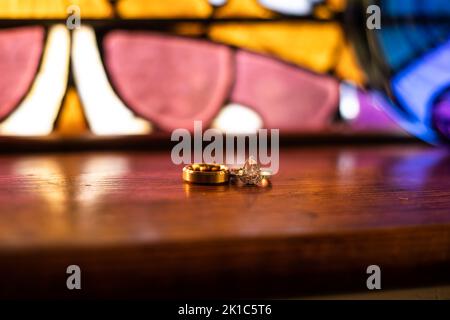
(410, 62)
(137, 67)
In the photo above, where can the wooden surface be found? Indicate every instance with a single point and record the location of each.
(136, 230)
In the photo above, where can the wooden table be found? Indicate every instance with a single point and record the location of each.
(136, 230)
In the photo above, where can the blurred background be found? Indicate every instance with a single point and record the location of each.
(95, 74)
(307, 67)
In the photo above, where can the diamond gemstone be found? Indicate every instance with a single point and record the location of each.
(251, 172)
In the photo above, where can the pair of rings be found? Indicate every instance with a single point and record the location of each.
(203, 173)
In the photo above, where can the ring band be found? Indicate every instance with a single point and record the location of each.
(204, 173)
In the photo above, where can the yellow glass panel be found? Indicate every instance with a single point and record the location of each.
(327, 9)
(53, 9)
(323, 12)
(348, 67)
(308, 44)
(93, 8)
(337, 5)
(164, 8)
(243, 8)
(71, 120)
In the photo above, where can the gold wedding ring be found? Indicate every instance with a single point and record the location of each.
(204, 173)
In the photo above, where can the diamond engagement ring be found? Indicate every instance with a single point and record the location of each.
(251, 173)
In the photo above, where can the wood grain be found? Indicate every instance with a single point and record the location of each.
(137, 230)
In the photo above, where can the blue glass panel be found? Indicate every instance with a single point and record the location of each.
(408, 8)
(396, 48)
(418, 85)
